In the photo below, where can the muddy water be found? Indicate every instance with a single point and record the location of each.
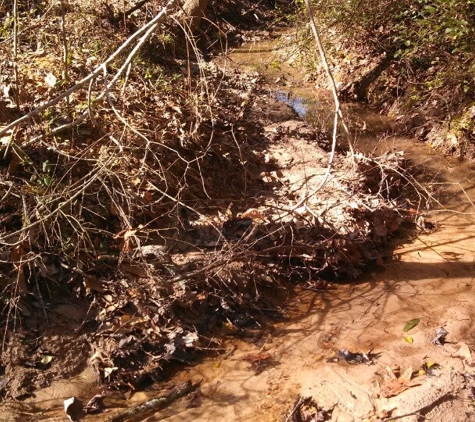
(433, 280)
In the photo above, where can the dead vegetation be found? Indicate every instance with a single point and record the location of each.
(150, 194)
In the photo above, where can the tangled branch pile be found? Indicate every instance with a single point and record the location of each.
(149, 192)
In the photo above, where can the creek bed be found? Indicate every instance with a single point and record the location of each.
(432, 281)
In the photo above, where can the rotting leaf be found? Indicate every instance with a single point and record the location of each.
(46, 360)
(463, 352)
(93, 283)
(407, 374)
(195, 399)
(408, 339)
(135, 270)
(306, 409)
(411, 324)
(260, 362)
(258, 357)
(95, 405)
(395, 383)
(127, 235)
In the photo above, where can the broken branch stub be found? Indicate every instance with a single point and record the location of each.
(195, 10)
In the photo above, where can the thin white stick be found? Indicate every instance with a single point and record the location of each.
(15, 54)
(321, 50)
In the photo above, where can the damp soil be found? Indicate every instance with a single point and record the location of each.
(261, 377)
(432, 280)
(259, 374)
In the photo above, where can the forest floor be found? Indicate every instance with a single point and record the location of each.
(249, 264)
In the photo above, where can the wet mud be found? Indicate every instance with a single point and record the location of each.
(259, 375)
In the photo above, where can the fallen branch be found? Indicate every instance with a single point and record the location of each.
(154, 405)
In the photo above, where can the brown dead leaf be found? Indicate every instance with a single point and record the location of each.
(147, 196)
(252, 213)
(257, 358)
(393, 224)
(174, 107)
(94, 284)
(17, 252)
(407, 375)
(135, 270)
(462, 352)
(125, 318)
(195, 399)
(394, 385)
(392, 372)
(127, 235)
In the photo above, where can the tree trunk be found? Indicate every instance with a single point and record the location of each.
(195, 10)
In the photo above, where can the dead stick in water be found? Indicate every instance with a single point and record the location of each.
(331, 80)
(157, 404)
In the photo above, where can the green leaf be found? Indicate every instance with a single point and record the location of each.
(408, 339)
(411, 324)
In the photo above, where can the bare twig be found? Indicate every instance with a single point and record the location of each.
(65, 55)
(337, 116)
(338, 112)
(99, 69)
(29, 226)
(154, 405)
(16, 91)
(296, 409)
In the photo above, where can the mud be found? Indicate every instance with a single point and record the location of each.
(260, 374)
(431, 279)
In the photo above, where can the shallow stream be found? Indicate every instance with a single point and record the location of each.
(432, 281)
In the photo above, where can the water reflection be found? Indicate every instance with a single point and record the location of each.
(299, 104)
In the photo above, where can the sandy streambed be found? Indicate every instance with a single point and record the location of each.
(432, 281)
(261, 375)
